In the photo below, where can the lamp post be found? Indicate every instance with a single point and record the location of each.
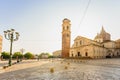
(11, 35)
(22, 51)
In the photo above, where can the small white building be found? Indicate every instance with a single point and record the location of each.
(57, 53)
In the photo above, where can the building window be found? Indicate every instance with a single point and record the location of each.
(117, 53)
(76, 44)
(67, 35)
(80, 42)
(72, 55)
(67, 27)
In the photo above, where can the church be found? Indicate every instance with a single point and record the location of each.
(100, 47)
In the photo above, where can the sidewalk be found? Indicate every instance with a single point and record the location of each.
(21, 65)
(2, 63)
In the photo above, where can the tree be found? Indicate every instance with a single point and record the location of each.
(5, 55)
(17, 55)
(28, 55)
(50, 56)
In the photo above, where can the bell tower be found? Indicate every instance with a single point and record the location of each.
(66, 38)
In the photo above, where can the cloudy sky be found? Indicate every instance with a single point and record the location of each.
(39, 21)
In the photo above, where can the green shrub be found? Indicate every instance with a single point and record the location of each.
(28, 55)
(18, 55)
(5, 55)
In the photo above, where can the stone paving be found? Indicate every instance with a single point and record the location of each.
(64, 70)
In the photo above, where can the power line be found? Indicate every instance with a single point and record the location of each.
(85, 12)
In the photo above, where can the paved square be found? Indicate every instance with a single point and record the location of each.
(103, 69)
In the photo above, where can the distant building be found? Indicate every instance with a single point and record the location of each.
(44, 55)
(57, 54)
(0, 44)
(101, 47)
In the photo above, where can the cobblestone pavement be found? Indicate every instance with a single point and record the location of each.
(66, 70)
(2, 63)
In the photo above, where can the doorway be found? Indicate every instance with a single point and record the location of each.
(86, 54)
(79, 54)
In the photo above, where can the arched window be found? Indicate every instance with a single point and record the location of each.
(117, 54)
(80, 42)
(67, 35)
(67, 27)
(72, 55)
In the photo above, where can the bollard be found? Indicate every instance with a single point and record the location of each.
(4, 67)
(52, 70)
(68, 63)
(66, 67)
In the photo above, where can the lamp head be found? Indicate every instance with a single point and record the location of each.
(5, 32)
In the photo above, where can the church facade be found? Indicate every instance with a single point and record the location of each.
(101, 47)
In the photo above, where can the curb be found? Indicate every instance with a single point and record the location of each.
(1, 70)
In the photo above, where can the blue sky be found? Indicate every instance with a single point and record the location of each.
(39, 21)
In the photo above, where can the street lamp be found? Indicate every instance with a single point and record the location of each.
(22, 51)
(9, 35)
